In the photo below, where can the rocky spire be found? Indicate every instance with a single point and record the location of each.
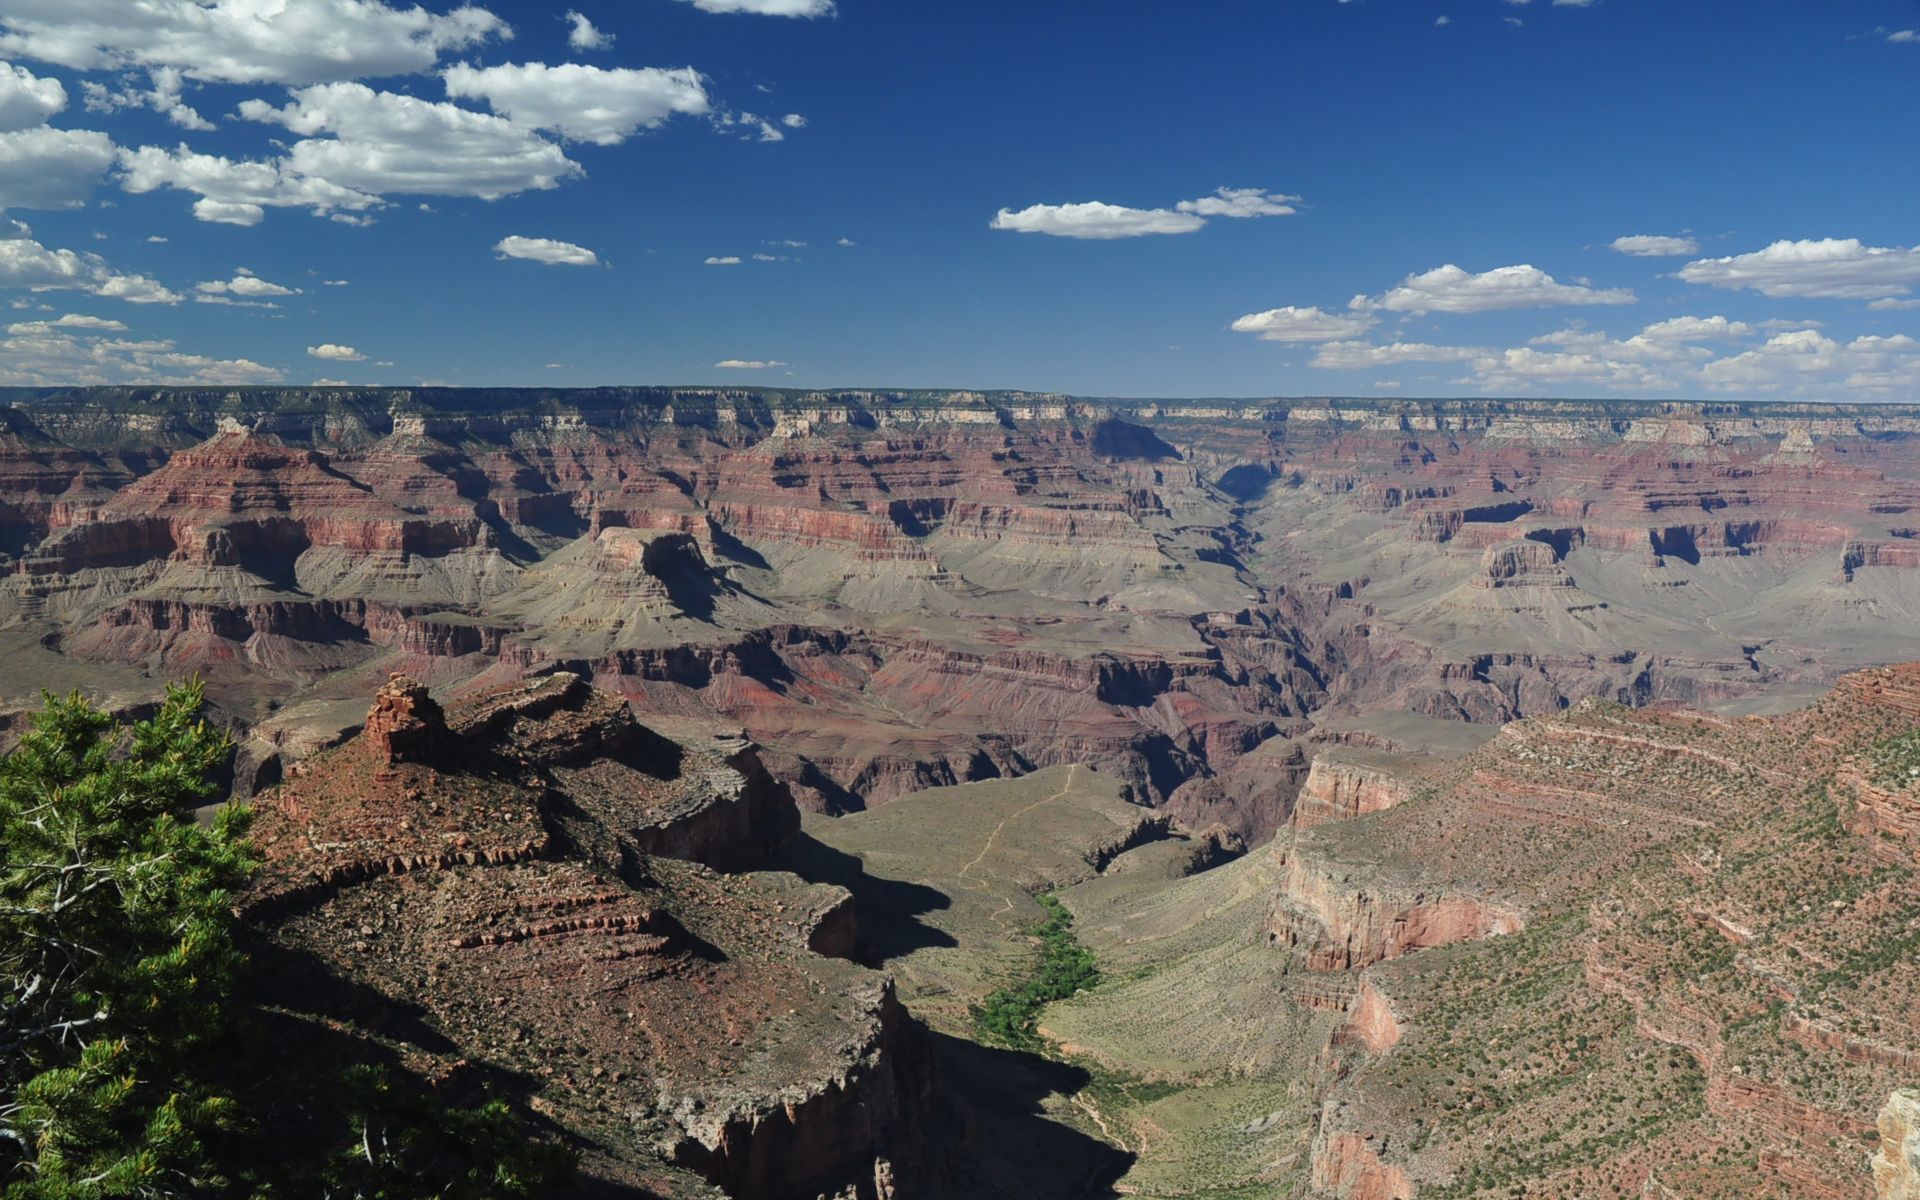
(404, 724)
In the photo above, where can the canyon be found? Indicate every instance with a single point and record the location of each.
(1461, 798)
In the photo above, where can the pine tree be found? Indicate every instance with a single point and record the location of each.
(116, 954)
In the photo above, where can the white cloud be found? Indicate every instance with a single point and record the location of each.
(768, 8)
(384, 143)
(582, 103)
(1903, 36)
(1643, 245)
(244, 41)
(1292, 324)
(1695, 329)
(164, 97)
(1452, 289)
(336, 282)
(329, 383)
(246, 284)
(334, 352)
(1808, 360)
(794, 121)
(546, 250)
(234, 192)
(1573, 3)
(846, 242)
(1241, 202)
(79, 356)
(26, 100)
(583, 35)
(69, 321)
(1443, 19)
(1824, 269)
(1891, 305)
(723, 260)
(25, 263)
(1095, 220)
(752, 126)
(51, 168)
(1351, 356)
(748, 364)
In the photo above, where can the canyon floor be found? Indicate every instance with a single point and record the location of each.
(1458, 798)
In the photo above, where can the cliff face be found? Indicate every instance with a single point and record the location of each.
(894, 590)
(524, 887)
(1896, 1166)
(1620, 952)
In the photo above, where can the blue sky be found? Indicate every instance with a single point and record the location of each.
(1107, 197)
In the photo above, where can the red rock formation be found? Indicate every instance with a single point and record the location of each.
(1341, 787)
(1896, 1166)
(404, 724)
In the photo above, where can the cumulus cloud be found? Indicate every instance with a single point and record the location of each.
(384, 143)
(582, 103)
(583, 36)
(768, 8)
(356, 146)
(1241, 202)
(51, 168)
(1292, 324)
(748, 364)
(244, 284)
(1452, 289)
(164, 96)
(26, 100)
(1892, 305)
(546, 250)
(334, 352)
(1643, 245)
(1663, 358)
(68, 321)
(723, 260)
(1349, 356)
(1095, 220)
(1807, 359)
(26, 263)
(244, 41)
(83, 350)
(1823, 269)
(234, 192)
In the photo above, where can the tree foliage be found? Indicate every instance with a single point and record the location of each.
(116, 951)
(1011, 1015)
(118, 1020)
(408, 1145)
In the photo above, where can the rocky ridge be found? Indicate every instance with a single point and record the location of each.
(533, 888)
(890, 591)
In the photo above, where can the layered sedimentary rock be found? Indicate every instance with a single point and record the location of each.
(520, 887)
(1896, 1165)
(1711, 992)
(894, 590)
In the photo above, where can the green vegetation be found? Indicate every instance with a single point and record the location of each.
(116, 949)
(1011, 1015)
(119, 1034)
(1895, 761)
(408, 1145)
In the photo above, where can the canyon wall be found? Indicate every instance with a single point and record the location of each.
(892, 590)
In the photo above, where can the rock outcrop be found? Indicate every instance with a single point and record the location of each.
(1896, 1165)
(525, 885)
(893, 590)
